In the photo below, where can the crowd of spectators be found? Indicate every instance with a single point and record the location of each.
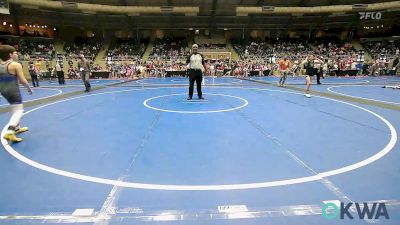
(31, 49)
(250, 50)
(126, 50)
(383, 49)
(212, 46)
(34, 33)
(125, 56)
(169, 49)
(37, 49)
(88, 47)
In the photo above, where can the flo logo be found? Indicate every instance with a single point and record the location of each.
(370, 15)
(364, 211)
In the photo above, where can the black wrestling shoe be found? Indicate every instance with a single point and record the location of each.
(201, 98)
(189, 98)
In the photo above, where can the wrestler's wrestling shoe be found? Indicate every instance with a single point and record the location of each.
(11, 137)
(21, 130)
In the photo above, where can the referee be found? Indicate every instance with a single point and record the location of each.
(196, 68)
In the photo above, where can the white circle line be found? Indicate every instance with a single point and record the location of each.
(145, 103)
(353, 96)
(31, 100)
(371, 159)
(299, 82)
(233, 82)
(144, 79)
(184, 81)
(316, 177)
(207, 82)
(179, 81)
(94, 83)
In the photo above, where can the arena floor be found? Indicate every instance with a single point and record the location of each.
(138, 152)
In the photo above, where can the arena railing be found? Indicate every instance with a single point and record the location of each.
(245, 10)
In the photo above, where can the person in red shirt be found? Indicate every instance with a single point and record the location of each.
(284, 69)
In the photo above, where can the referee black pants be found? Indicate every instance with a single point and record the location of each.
(318, 73)
(35, 80)
(60, 76)
(195, 75)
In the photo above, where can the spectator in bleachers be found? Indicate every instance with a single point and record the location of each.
(169, 49)
(128, 50)
(88, 47)
(383, 49)
(72, 73)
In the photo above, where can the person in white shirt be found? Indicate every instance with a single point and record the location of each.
(353, 65)
(196, 67)
(212, 69)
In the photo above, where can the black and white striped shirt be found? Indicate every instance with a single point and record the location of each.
(196, 61)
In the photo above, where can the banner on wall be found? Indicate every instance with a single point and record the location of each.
(4, 7)
(217, 55)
